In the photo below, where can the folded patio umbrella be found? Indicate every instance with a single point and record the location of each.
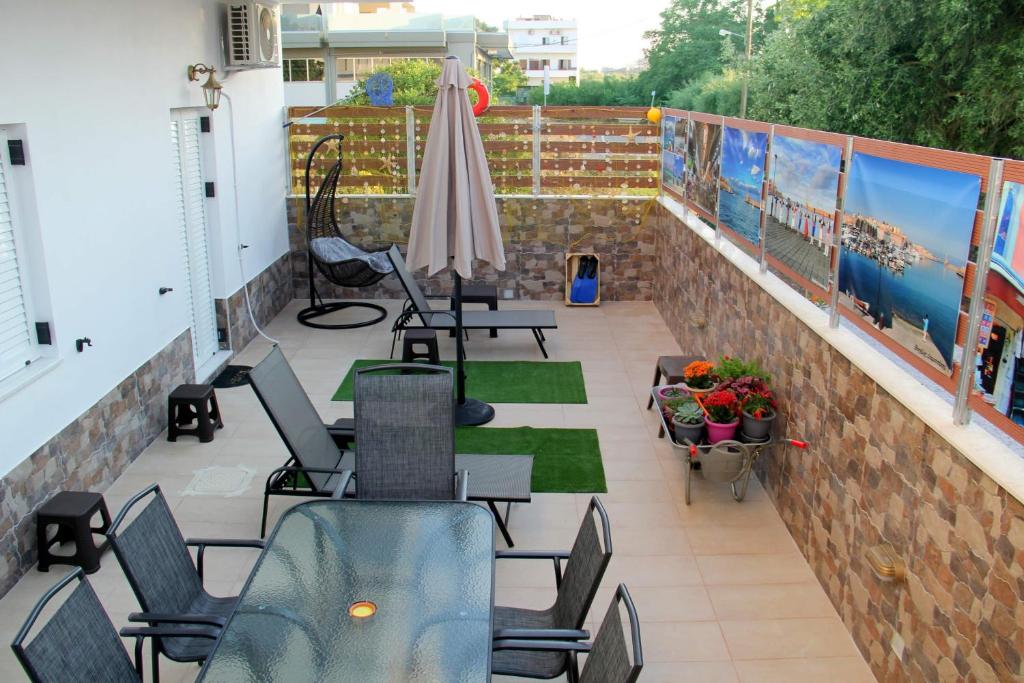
(455, 219)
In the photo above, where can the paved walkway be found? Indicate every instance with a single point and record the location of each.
(721, 590)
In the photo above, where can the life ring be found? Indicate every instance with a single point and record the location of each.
(483, 100)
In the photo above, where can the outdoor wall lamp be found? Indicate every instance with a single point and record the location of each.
(362, 609)
(212, 87)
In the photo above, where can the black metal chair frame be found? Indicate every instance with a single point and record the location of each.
(139, 633)
(179, 622)
(548, 641)
(321, 221)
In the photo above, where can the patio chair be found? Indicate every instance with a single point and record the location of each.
(405, 430)
(608, 658)
(168, 585)
(319, 466)
(585, 566)
(79, 643)
(418, 310)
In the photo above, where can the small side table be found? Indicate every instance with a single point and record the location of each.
(72, 512)
(420, 337)
(190, 403)
(479, 294)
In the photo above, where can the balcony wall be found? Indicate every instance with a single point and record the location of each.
(537, 233)
(875, 473)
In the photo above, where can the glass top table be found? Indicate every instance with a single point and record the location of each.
(427, 567)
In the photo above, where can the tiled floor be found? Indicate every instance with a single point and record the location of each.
(721, 590)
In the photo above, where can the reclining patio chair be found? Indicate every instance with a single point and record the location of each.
(319, 465)
(79, 643)
(608, 658)
(168, 585)
(418, 310)
(585, 566)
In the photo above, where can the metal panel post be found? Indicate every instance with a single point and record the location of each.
(410, 147)
(762, 228)
(965, 382)
(536, 150)
(837, 234)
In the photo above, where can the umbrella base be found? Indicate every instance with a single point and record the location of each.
(472, 413)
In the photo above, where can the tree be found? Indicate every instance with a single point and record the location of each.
(415, 82)
(594, 92)
(508, 77)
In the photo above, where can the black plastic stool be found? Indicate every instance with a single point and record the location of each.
(420, 337)
(479, 294)
(193, 403)
(72, 512)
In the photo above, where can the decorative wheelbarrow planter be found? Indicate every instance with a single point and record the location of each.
(726, 462)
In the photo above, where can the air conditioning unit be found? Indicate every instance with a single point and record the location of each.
(252, 36)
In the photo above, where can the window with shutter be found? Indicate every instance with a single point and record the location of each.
(17, 345)
(191, 202)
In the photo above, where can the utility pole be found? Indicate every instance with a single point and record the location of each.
(746, 74)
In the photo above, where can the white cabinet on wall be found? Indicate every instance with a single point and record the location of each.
(191, 200)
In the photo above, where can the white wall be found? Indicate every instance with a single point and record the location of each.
(305, 94)
(94, 83)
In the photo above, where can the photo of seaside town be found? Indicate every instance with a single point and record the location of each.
(703, 151)
(680, 125)
(905, 240)
(672, 172)
(802, 188)
(739, 197)
(673, 169)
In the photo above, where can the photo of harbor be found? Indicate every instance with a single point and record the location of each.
(739, 196)
(668, 133)
(673, 171)
(905, 240)
(679, 139)
(801, 203)
(703, 151)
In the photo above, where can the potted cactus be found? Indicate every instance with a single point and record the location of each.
(722, 415)
(672, 391)
(688, 422)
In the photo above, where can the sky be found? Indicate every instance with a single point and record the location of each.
(610, 35)
(743, 159)
(806, 171)
(932, 206)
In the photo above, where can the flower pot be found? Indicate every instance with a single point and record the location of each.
(687, 432)
(664, 393)
(755, 428)
(720, 432)
(694, 391)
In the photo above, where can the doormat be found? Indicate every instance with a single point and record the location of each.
(232, 376)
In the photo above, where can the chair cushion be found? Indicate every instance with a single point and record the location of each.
(336, 250)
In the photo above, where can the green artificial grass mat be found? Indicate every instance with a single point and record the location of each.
(503, 381)
(564, 460)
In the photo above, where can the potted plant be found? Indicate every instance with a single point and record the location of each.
(672, 391)
(744, 386)
(758, 414)
(730, 368)
(723, 415)
(699, 377)
(688, 422)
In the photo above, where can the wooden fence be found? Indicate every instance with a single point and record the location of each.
(608, 151)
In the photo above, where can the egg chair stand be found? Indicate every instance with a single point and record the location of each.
(337, 259)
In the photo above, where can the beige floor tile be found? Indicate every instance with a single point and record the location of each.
(832, 669)
(653, 570)
(788, 638)
(695, 641)
(754, 569)
(776, 601)
(706, 540)
(695, 672)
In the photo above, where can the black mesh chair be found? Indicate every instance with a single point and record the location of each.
(608, 657)
(585, 566)
(79, 643)
(168, 585)
(405, 427)
(340, 261)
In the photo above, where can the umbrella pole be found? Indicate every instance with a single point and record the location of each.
(468, 411)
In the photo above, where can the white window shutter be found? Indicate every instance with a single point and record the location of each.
(17, 347)
(191, 198)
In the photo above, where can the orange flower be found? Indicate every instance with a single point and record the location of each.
(698, 368)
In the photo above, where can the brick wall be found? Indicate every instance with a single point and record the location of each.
(874, 473)
(537, 233)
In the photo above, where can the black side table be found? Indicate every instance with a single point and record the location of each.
(72, 512)
(479, 294)
(190, 403)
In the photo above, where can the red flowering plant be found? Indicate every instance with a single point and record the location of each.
(760, 404)
(722, 406)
